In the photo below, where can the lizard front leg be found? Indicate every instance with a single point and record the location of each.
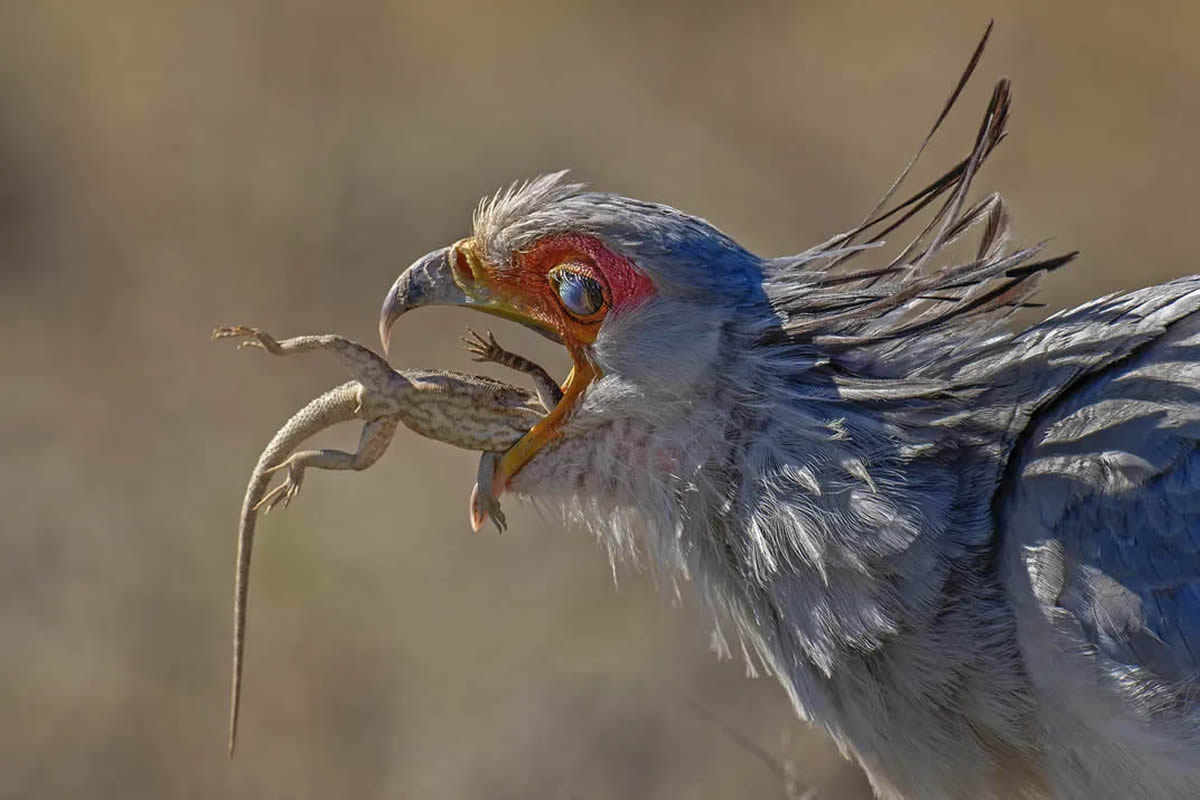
(548, 390)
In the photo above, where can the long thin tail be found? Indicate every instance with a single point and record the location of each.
(336, 405)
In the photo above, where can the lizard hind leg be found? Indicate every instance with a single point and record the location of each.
(376, 436)
(371, 369)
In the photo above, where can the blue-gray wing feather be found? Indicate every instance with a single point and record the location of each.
(1101, 500)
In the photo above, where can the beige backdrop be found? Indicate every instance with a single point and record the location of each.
(165, 167)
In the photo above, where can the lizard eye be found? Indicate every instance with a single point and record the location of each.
(581, 295)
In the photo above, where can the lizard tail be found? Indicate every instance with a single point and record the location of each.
(337, 405)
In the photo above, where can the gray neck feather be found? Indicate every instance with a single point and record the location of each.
(844, 543)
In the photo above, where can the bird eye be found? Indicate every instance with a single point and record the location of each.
(580, 294)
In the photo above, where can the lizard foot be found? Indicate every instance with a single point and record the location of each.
(483, 349)
(484, 502)
(284, 492)
(485, 506)
(252, 337)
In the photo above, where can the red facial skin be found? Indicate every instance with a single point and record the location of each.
(527, 291)
(527, 283)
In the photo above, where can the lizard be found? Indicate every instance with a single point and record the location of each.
(467, 411)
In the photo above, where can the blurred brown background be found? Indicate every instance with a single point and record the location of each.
(165, 167)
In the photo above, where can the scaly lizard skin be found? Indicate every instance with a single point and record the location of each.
(468, 411)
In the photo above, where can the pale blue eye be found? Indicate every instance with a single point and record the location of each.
(580, 294)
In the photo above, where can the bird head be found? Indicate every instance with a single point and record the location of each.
(748, 407)
(644, 298)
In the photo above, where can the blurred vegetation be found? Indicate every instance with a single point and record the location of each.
(165, 167)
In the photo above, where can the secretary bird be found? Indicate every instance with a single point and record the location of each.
(972, 556)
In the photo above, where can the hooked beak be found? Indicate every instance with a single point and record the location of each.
(451, 276)
(456, 276)
(428, 282)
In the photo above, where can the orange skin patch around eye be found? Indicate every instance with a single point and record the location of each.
(527, 278)
(526, 288)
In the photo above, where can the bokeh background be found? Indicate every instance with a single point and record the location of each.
(165, 167)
